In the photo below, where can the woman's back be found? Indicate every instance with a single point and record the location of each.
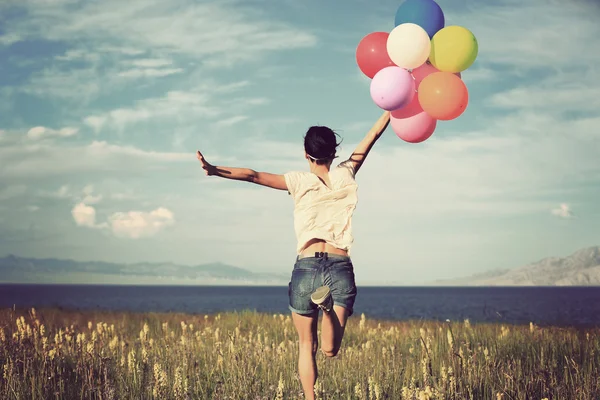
(323, 212)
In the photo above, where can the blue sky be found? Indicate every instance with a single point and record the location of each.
(104, 103)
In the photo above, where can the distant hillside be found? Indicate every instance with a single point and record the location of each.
(15, 269)
(581, 268)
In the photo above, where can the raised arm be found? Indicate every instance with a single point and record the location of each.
(274, 181)
(362, 150)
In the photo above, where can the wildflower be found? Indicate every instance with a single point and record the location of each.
(160, 382)
(113, 343)
(179, 385)
(358, 390)
(280, 388)
(371, 386)
(450, 339)
(131, 362)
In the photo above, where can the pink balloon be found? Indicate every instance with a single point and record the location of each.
(392, 88)
(412, 126)
(423, 71)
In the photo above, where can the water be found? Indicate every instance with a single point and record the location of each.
(562, 306)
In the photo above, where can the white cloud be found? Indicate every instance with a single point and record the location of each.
(151, 62)
(89, 197)
(44, 159)
(138, 224)
(145, 28)
(130, 225)
(39, 132)
(208, 100)
(33, 208)
(149, 72)
(8, 39)
(96, 122)
(227, 122)
(535, 34)
(84, 215)
(563, 211)
(174, 103)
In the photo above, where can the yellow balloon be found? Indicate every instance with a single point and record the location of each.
(453, 49)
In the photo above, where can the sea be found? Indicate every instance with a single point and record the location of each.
(544, 306)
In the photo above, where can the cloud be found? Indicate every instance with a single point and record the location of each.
(129, 225)
(96, 122)
(62, 193)
(533, 32)
(149, 72)
(149, 68)
(208, 100)
(149, 25)
(137, 224)
(39, 132)
(227, 122)
(49, 159)
(563, 211)
(84, 215)
(102, 37)
(8, 39)
(89, 197)
(174, 104)
(151, 62)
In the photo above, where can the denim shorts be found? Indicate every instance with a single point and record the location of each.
(331, 270)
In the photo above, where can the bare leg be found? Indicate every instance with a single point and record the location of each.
(332, 330)
(308, 345)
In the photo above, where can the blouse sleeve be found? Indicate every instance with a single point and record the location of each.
(347, 165)
(292, 181)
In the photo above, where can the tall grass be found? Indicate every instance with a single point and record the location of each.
(70, 355)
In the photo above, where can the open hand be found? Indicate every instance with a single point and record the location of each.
(206, 166)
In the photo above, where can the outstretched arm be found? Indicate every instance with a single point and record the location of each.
(362, 150)
(243, 174)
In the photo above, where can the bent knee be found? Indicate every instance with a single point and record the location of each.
(330, 352)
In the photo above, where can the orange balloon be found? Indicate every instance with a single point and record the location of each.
(443, 95)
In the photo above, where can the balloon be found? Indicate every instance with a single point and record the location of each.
(411, 123)
(371, 53)
(453, 49)
(443, 95)
(423, 71)
(425, 13)
(392, 88)
(408, 45)
(413, 129)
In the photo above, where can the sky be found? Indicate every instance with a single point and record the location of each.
(103, 105)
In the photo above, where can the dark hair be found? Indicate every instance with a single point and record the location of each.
(320, 144)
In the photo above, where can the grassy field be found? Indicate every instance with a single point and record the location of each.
(94, 355)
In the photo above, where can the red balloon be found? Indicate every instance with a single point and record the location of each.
(425, 70)
(372, 55)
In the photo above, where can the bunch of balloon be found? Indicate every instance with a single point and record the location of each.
(415, 69)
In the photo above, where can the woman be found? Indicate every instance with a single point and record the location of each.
(323, 275)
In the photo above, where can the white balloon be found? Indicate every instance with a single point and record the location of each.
(408, 45)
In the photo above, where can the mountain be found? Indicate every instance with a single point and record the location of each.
(581, 268)
(15, 269)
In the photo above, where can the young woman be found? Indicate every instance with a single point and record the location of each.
(323, 274)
